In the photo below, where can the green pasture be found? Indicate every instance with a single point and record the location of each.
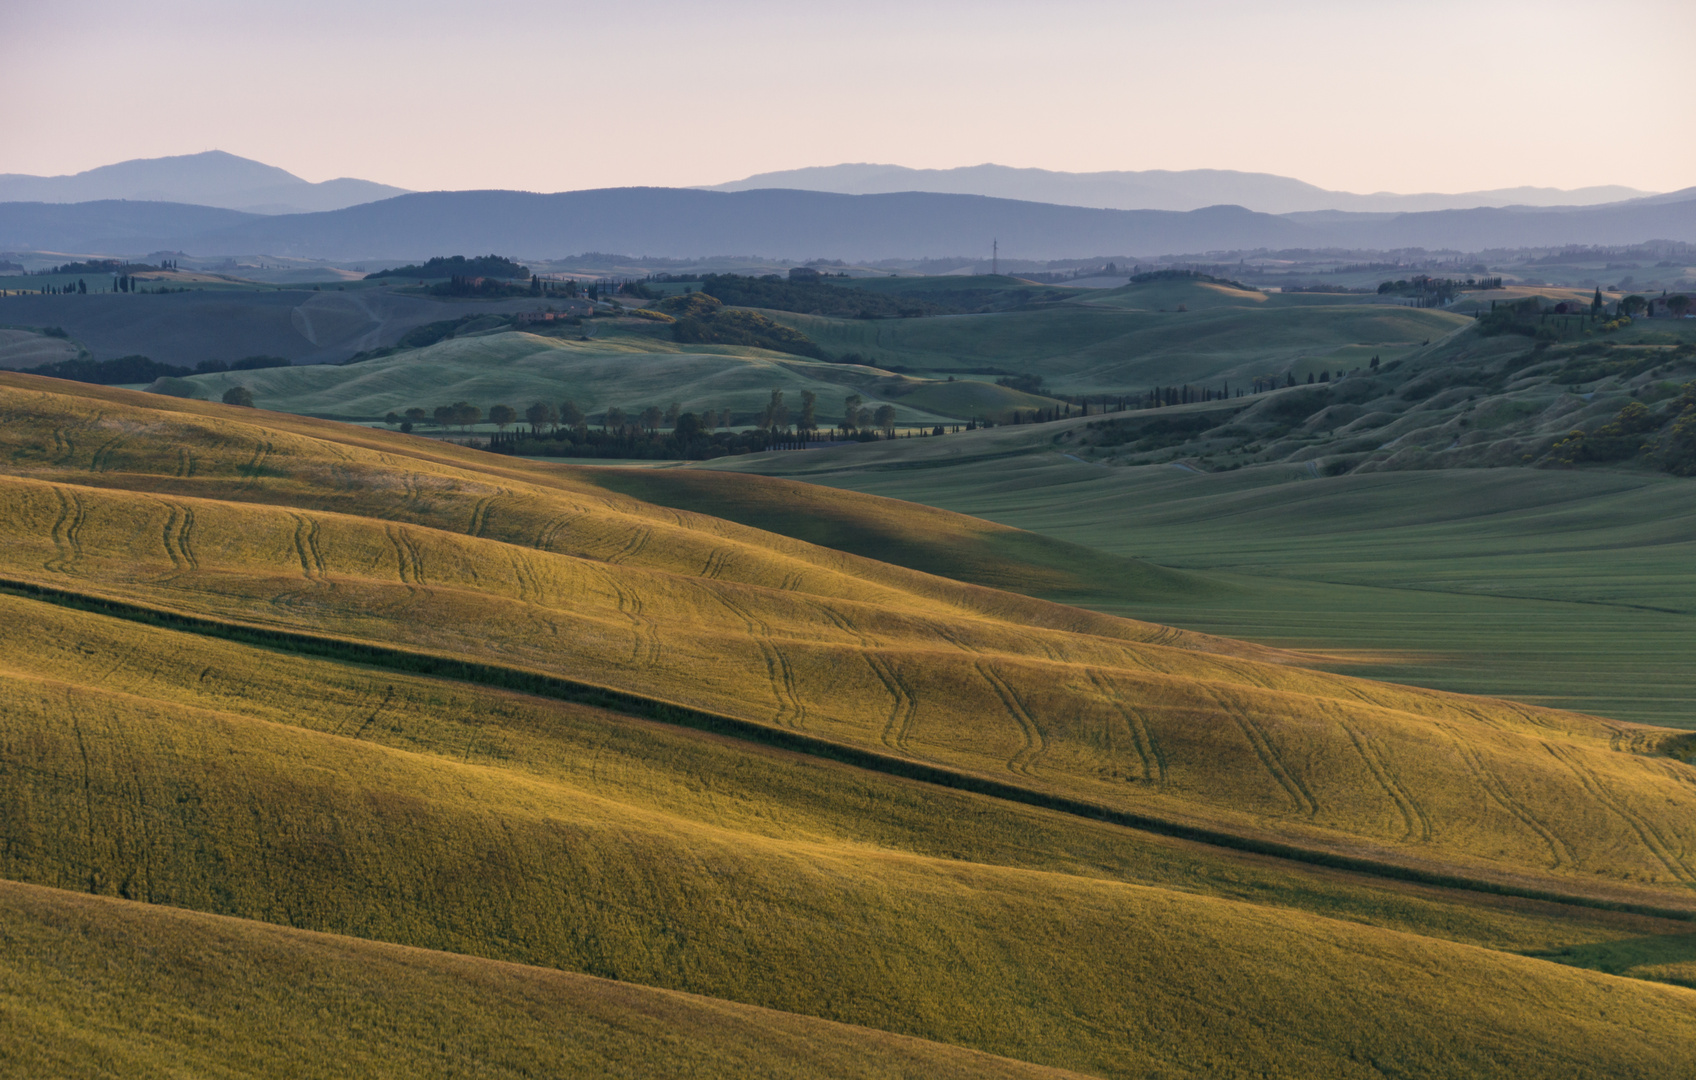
(1574, 589)
(631, 371)
(1120, 340)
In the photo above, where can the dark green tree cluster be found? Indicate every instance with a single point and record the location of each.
(451, 266)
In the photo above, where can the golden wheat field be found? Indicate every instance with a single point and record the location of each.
(352, 682)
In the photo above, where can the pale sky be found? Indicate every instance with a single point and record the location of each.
(1360, 96)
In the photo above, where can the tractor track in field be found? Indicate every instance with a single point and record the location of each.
(647, 633)
(1413, 815)
(178, 536)
(102, 459)
(409, 564)
(306, 546)
(67, 532)
(1560, 855)
(903, 704)
(778, 670)
(714, 565)
(1269, 757)
(638, 541)
(365, 724)
(480, 516)
(457, 669)
(1646, 831)
(1036, 744)
(253, 469)
(548, 533)
(1153, 758)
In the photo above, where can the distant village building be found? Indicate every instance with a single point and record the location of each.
(804, 273)
(568, 309)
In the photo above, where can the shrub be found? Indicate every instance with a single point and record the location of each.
(239, 395)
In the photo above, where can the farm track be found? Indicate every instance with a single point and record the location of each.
(778, 669)
(306, 546)
(1491, 784)
(1651, 836)
(1036, 745)
(1153, 759)
(67, 532)
(388, 658)
(1269, 757)
(1413, 815)
(177, 534)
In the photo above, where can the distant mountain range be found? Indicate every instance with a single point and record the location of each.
(789, 224)
(1155, 189)
(220, 204)
(213, 178)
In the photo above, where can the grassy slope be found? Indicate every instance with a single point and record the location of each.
(1572, 588)
(101, 988)
(304, 524)
(173, 768)
(223, 778)
(627, 369)
(1120, 341)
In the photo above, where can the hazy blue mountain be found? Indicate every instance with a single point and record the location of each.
(1154, 189)
(792, 224)
(213, 178)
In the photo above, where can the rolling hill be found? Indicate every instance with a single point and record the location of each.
(352, 682)
(624, 367)
(1133, 338)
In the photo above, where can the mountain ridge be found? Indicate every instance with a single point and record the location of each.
(793, 224)
(210, 178)
(1157, 189)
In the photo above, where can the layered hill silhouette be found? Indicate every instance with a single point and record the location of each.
(358, 683)
(212, 178)
(803, 224)
(1156, 189)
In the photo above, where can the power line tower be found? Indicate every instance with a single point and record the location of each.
(995, 256)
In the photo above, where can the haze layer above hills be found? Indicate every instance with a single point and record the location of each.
(801, 224)
(1156, 189)
(213, 178)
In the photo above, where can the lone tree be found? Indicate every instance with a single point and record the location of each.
(776, 413)
(809, 412)
(884, 418)
(502, 416)
(416, 415)
(851, 411)
(239, 395)
(539, 413)
(570, 415)
(443, 416)
(614, 420)
(651, 418)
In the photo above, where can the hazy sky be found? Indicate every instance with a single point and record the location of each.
(1360, 95)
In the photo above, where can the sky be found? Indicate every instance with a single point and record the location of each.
(1362, 95)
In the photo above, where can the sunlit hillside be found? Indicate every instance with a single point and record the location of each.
(352, 681)
(624, 369)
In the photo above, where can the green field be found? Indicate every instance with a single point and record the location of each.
(1573, 589)
(620, 367)
(1121, 341)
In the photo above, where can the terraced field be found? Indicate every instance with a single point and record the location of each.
(348, 681)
